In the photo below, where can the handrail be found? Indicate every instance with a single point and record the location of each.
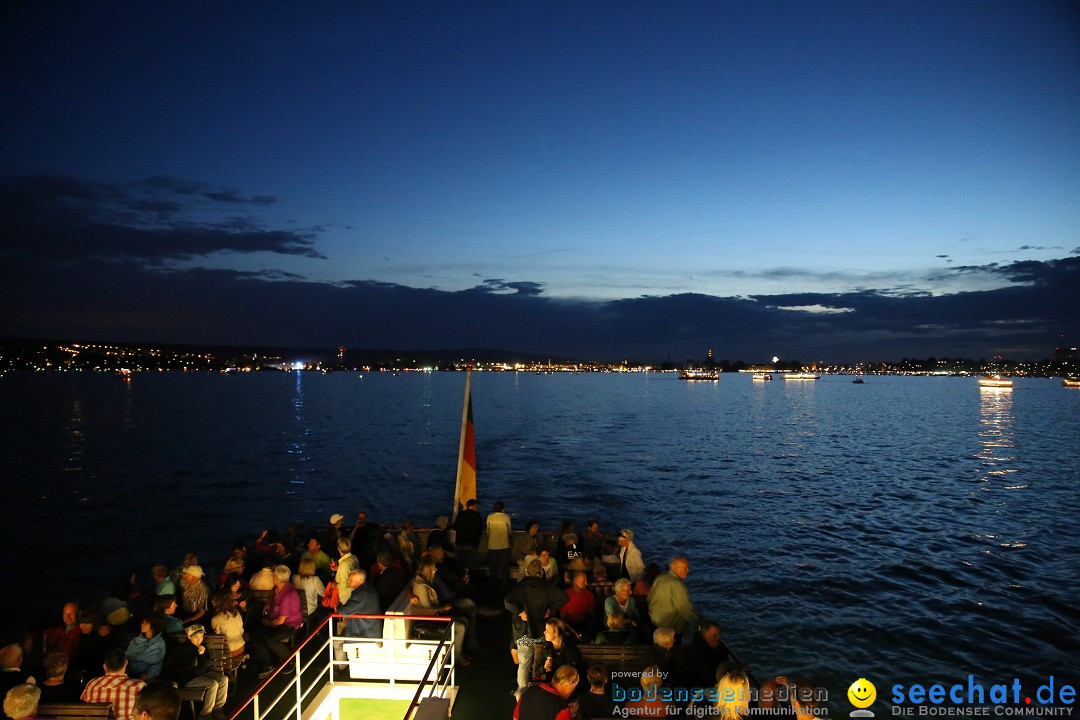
(431, 664)
(266, 681)
(294, 658)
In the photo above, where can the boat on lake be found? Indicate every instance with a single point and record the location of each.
(801, 376)
(858, 381)
(1070, 382)
(995, 381)
(699, 375)
(763, 376)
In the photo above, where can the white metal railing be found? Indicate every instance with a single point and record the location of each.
(437, 678)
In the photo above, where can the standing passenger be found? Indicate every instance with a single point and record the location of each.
(469, 526)
(498, 531)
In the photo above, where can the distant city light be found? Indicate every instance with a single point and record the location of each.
(298, 365)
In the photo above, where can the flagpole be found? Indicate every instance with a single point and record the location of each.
(461, 444)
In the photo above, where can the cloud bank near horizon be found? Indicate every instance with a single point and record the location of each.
(112, 261)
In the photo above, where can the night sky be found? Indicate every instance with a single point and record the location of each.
(602, 180)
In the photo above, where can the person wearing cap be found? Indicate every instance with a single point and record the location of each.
(630, 563)
(332, 534)
(187, 664)
(196, 594)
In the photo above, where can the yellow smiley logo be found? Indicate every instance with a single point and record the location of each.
(862, 693)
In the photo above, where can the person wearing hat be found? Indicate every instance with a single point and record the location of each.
(630, 563)
(332, 534)
(187, 664)
(196, 594)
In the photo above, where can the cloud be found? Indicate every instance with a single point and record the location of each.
(157, 220)
(81, 259)
(496, 285)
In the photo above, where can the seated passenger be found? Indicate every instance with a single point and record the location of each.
(309, 585)
(187, 664)
(362, 601)
(263, 580)
(165, 606)
(282, 621)
(549, 701)
(388, 579)
(580, 610)
(233, 565)
(147, 649)
(439, 536)
(596, 702)
(782, 698)
(559, 649)
(530, 543)
(617, 633)
(600, 585)
(196, 601)
(425, 601)
(408, 545)
(163, 584)
(661, 653)
(21, 702)
(315, 553)
(55, 689)
(157, 702)
(115, 686)
(623, 602)
(732, 692)
(229, 622)
(702, 656)
(11, 672)
(650, 704)
(592, 540)
(644, 585)
(549, 569)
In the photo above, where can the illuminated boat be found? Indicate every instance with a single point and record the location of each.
(699, 375)
(1071, 382)
(995, 381)
(801, 376)
(764, 376)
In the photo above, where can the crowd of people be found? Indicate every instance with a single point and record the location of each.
(568, 589)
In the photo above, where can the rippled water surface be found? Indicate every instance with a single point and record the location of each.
(909, 529)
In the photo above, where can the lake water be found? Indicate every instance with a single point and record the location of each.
(905, 530)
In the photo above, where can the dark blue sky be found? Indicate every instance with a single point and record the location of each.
(822, 180)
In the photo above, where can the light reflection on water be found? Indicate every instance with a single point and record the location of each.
(908, 528)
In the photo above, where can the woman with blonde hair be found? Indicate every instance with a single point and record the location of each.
(406, 544)
(732, 692)
(22, 701)
(427, 603)
(309, 585)
(228, 621)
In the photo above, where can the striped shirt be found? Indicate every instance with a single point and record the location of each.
(118, 689)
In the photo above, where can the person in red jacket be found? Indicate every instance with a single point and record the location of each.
(548, 702)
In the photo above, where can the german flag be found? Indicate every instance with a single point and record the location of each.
(466, 471)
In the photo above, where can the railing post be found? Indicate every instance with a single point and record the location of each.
(296, 678)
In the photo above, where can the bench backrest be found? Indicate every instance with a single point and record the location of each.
(76, 710)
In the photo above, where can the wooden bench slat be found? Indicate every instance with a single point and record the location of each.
(76, 710)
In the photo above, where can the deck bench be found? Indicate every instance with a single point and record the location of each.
(617, 658)
(77, 710)
(221, 659)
